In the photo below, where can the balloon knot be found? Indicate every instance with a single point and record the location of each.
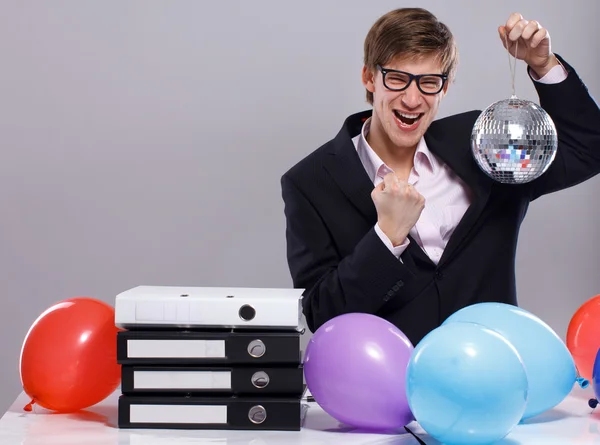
(593, 403)
(584, 383)
(29, 406)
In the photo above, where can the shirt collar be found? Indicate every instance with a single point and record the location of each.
(375, 166)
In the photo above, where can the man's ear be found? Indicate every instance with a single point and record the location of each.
(368, 79)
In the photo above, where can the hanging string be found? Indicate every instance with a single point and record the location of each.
(512, 67)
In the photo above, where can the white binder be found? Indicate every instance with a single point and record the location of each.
(209, 307)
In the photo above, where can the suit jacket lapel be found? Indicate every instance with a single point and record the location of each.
(346, 169)
(449, 145)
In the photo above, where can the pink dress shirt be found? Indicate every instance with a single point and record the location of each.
(446, 197)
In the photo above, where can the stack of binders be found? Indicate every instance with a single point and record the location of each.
(210, 358)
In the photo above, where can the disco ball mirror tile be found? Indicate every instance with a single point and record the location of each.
(514, 141)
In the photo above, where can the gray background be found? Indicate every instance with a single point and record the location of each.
(143, 142)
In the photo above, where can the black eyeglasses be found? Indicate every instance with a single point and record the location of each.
(400, 80)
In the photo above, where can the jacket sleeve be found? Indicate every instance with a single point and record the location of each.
(363, 281)
(576, 117)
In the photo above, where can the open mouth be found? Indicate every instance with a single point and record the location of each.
(407, 119)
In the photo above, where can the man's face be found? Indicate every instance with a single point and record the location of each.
(403, 116)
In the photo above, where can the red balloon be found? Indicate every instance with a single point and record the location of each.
(583, 336)
(69, 356)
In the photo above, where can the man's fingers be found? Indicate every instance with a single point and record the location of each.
(414, 192)
(538, 37)
(514, 18)
(390, 180)
(392, 183)
(502, 34)
(517, 30)
(531, 28)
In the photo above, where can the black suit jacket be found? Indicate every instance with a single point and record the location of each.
(334, 253)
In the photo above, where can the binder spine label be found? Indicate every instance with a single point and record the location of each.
(178, 414)
(181, 380)
(175, 348)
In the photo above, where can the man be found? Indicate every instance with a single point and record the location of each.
(393, 217)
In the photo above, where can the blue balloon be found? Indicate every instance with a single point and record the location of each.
(466, 384)
(596, 381)
(551, 370)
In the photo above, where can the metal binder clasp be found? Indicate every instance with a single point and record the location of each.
(257, 414)
(256, 348)
(260, 379)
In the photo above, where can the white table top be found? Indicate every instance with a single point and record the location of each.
(572, 422)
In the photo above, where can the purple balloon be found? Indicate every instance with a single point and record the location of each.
(355, 367)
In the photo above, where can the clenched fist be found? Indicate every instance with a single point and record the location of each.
(399, 207)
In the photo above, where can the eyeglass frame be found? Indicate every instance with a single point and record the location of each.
(411, 77)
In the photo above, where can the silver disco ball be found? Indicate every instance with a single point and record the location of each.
(514, 141)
